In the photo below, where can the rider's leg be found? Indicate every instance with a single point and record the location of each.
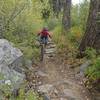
(42, 39)
(46, 41)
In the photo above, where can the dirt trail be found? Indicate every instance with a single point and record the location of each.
(56, 80)
(63, 84)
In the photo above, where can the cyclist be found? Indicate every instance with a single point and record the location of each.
(44, 35)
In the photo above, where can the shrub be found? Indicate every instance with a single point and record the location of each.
(53, 23)
(93, 72)
(90, 53)
(57, 34)
(75, 35)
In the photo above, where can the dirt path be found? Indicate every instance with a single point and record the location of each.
(56, 80)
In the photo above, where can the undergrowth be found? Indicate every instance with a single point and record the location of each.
(6, 93)
(93, 71)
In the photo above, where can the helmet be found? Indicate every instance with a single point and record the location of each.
(45, 28)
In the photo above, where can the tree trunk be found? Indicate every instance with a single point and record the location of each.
(56, 6)
(92, 33)
(66, 20)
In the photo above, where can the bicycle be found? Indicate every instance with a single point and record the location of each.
(42, 51)
(42, 48)
(43, 44)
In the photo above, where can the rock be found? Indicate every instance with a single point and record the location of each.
(2, 82)
(70, 94)
(51, 46)
(39, 83)
(50, 55)
(46, 97)
(62, 99)
(77, 70)
(41, 74)
(51, 50)
(11, 64)
(84, 66)
(8, 82)
(45, 88)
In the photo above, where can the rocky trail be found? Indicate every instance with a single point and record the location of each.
(56, 80)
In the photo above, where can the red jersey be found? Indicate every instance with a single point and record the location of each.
(44, 33)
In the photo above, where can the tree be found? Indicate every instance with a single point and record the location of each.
(66, 20)
(83, 13)
(91, 37)
(65, 6)
(56, 6)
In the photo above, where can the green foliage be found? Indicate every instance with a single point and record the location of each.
(45, 14)
(21, 95)
(58, 37)
(62, 40)
(1, 76)
(90, 53)
(80, 14)
(52, 23)
(6, 89)
(93, 72)
(57, 34)
(84, 11)
(75, 35)
(30, 95)
(75, 15)
(22, 19)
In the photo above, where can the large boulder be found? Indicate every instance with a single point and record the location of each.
(11, 64)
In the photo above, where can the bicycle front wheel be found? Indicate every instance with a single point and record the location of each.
(42, 52)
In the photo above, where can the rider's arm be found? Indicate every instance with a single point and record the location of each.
(49, 35)
(38, 34)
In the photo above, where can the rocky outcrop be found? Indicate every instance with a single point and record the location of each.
(12, 64)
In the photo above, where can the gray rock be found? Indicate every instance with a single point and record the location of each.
(11, 64)
(8, 82)
(70, 94)
(45, 88)
(51, 50)
(84, 66)
(41, 73)
(62, 98)
(46, 97)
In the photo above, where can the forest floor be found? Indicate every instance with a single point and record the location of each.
(56, 79)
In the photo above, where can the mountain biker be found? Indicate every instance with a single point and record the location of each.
(44, 35)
